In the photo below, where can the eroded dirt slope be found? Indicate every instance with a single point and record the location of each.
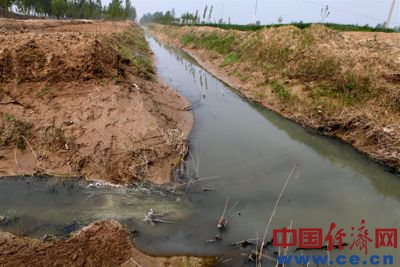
(342, 84)
(81, 98)
(103, 243)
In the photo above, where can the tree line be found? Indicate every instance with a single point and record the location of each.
(159, 17)
(185, 18)
(72, 9)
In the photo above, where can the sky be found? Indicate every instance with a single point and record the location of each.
(360, 12)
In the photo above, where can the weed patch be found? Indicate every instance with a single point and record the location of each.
(55, 137)
(283, 93)
(300, 25)
(222, 44)
(133, 46)
(12, 130)
(316, 69)
(229, 59)
(188, 38)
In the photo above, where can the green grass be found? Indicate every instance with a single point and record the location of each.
(188, 38)
(133, 46)
(321, 91)
(283, 93)
(300, 25)
(220, 43)
(229, 59)
(289, 55)
(348, 89)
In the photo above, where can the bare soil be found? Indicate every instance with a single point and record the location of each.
(104, 243)
(73, 105)
(321, 75)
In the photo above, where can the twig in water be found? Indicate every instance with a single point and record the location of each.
(154, 218)
(279, 254)
(233, 206)
(245, 242)
(194, 181)
(222, 221)
(329, 255)
(162, 221)
(285, 251)
(268, 257)
(257, 248)
(275, 209)
(217, 238)
(195, 163)
(253, 255)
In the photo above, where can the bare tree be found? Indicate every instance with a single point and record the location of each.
(205, 13)
(209, 14)
(325, 13)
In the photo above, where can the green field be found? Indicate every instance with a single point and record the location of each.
(300, 25)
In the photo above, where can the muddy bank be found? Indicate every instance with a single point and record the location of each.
(100, 244)
(341, 84)
(82, 99)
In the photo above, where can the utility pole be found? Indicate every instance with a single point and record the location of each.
(255, 13)
(390, 14)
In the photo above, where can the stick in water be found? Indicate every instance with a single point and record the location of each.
(295, 168)
(222, 221)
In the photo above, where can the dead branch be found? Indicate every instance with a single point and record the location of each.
(15, 157)
(135, 262)
(246, 242)
(222, 223)
(154, 218)
(193, 181)
(275, 209)
(33, 153)
(216, 238)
